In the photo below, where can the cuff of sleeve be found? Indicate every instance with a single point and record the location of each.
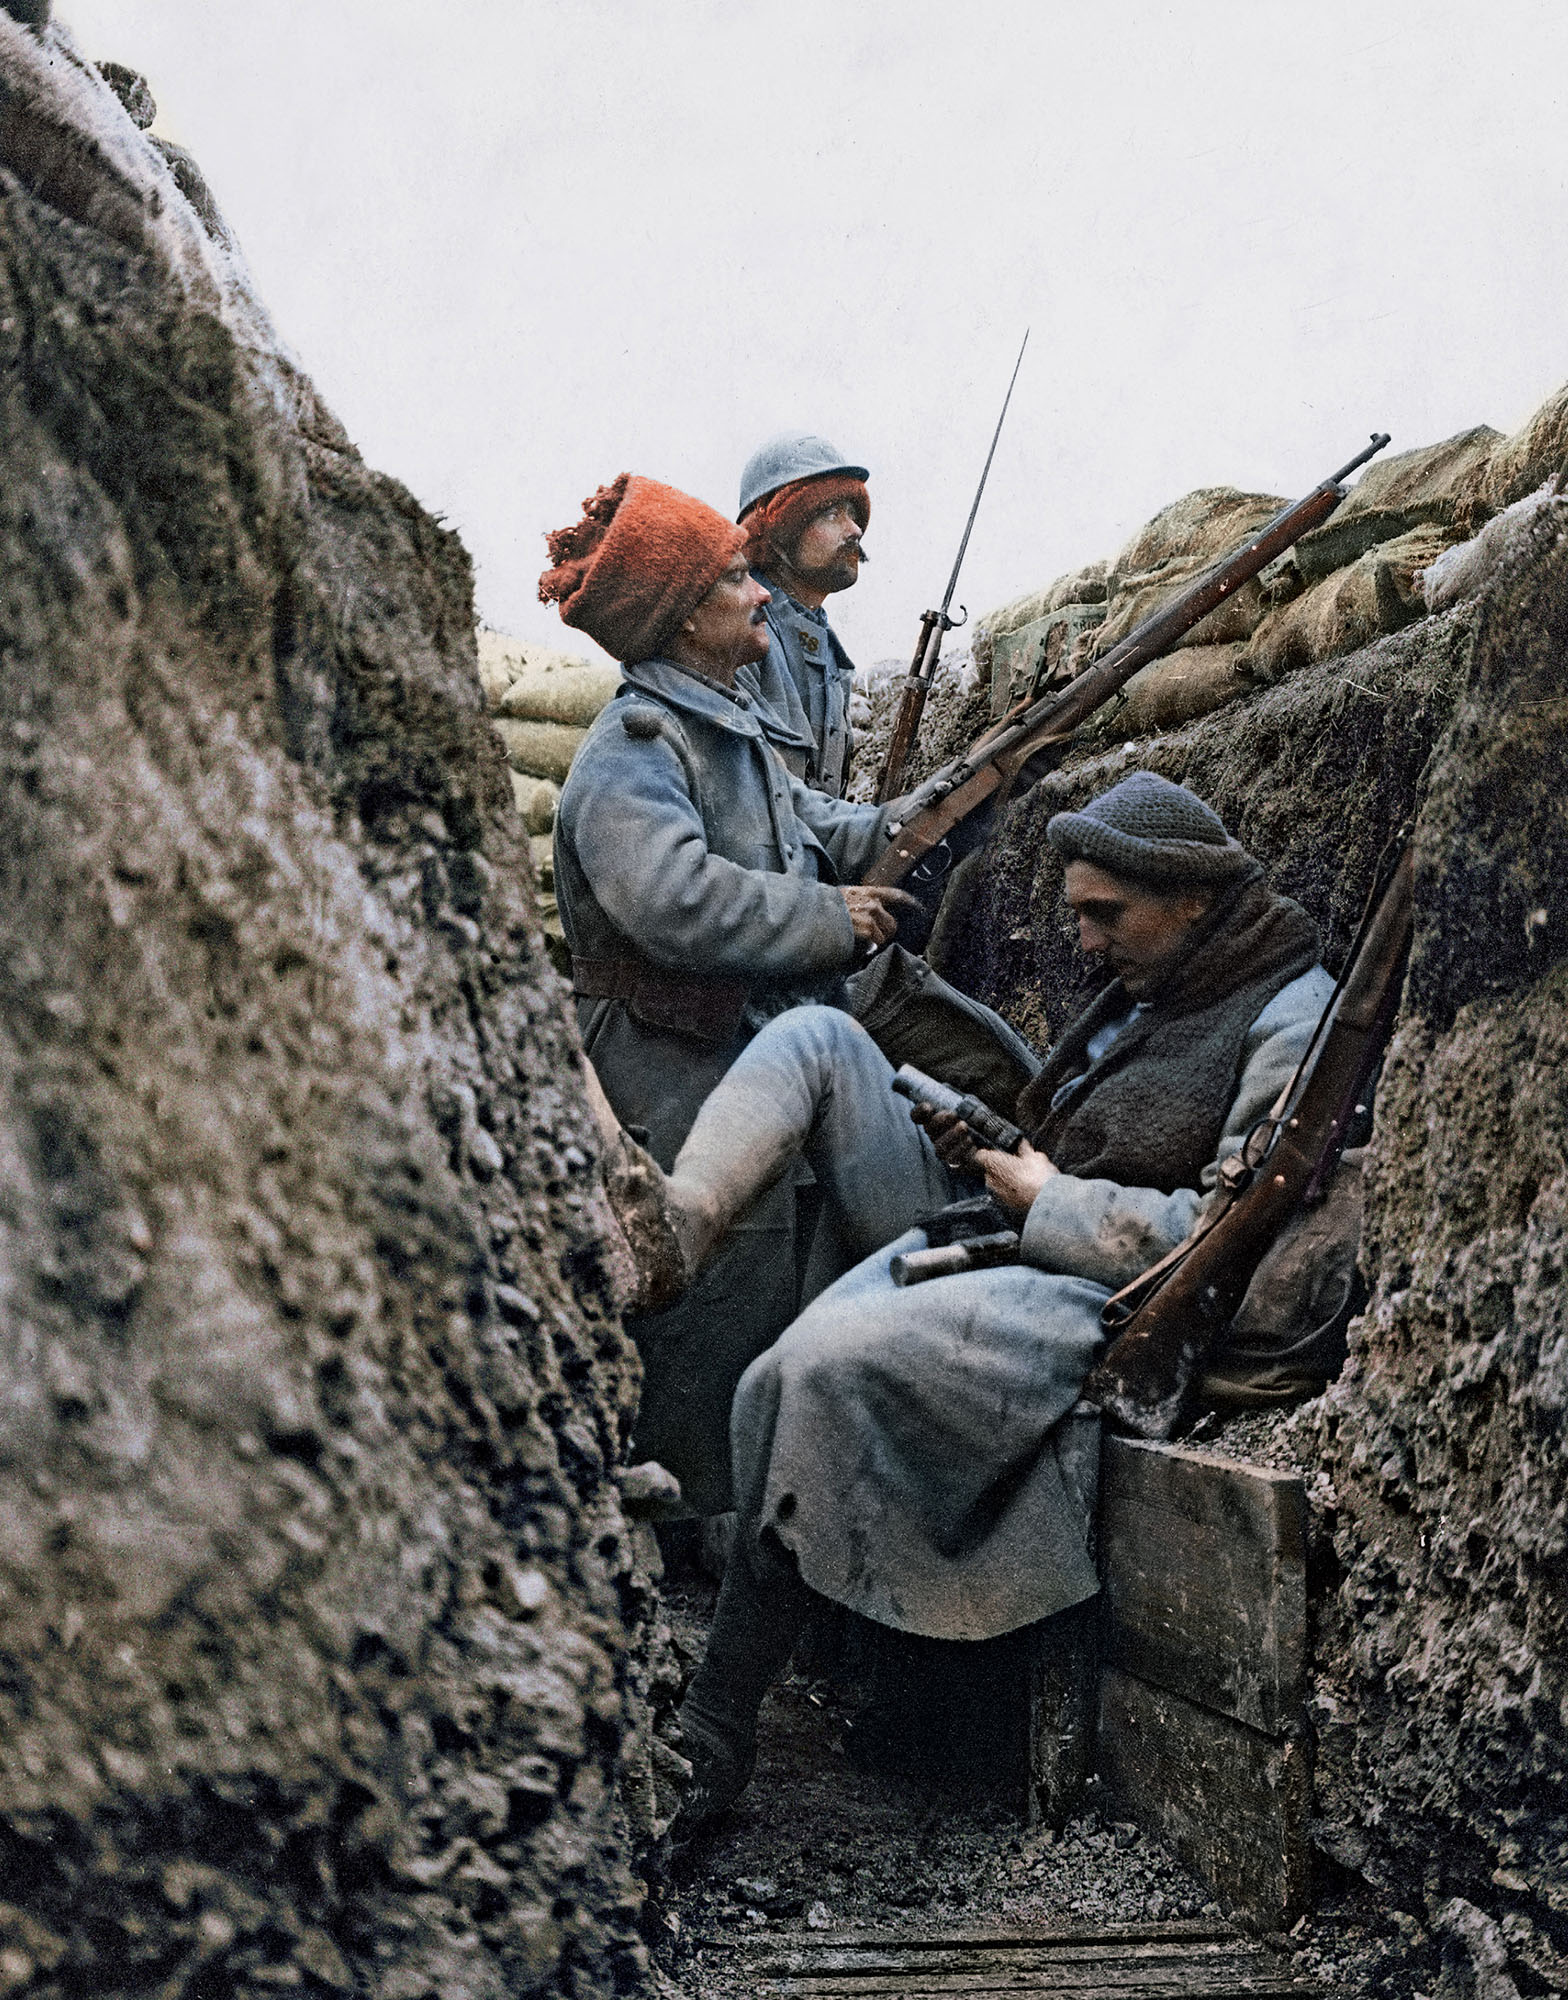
(1062, 1228)
(1099, 1230)
(843, 924)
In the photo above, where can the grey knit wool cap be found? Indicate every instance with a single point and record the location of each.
(1146, 829)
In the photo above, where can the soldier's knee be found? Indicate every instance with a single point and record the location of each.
(814, 1033)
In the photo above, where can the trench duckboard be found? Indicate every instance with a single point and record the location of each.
(1169, 1961)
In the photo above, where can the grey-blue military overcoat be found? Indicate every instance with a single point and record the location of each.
(681, 838)
(803, 686)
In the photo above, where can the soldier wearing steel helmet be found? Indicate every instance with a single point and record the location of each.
(804, 507)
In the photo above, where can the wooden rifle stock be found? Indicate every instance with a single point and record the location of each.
(917, 685)
(1167, 1320)
(1034, 738)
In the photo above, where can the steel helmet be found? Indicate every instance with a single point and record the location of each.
(784, 459)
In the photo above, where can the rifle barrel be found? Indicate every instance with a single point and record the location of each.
(954, 791)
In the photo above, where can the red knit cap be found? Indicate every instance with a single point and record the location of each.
(779, 521)
(642, 556)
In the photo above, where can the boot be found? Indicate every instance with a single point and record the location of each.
(762, 1607)
(673, 1223)
(663, 1262)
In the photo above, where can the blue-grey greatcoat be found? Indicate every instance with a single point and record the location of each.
(908, 1446)
(803, 689)
(681, 839)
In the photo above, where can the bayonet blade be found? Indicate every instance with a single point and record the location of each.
(952, 581)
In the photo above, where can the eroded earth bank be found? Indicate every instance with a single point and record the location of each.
(324, 1630)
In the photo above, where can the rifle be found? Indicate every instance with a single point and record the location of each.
(1035, 737)
(1166, 1320)
(928, 647)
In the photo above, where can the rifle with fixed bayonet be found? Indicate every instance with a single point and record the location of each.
(928, 647)
(1167, 1320)
(1033, 739)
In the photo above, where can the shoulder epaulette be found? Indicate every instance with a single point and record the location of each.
(642, 722)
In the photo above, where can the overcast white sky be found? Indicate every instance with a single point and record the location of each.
(524, 245)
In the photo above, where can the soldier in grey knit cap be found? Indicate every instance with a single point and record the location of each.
(911, 1453)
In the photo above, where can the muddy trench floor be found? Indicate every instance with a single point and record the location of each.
(826, 1838)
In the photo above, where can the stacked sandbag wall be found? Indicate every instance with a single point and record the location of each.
(1352, 580)
(542, 703)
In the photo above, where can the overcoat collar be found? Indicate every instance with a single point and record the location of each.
(693, 695)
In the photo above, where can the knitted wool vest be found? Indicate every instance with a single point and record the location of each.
(1150, 1112)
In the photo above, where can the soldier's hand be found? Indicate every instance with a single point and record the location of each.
(950, 1136)
(874, 911)
(1014, 1178)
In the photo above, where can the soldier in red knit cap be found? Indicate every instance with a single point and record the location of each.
(703, 889)
(805, 508)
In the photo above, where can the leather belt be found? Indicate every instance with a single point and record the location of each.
(707, 1009)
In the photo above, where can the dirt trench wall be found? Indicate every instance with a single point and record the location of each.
(1442, 1699)
(314, 1585)
(1441, 1669)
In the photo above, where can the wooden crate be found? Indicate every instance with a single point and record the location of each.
(1204, 1571)
(1201, 1731)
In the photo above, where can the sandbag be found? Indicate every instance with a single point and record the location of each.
(573, 693)
(1140, 596)
(1078, 586)
(1173, 550)
(1206, 524)
(1466, 569)
(536, 800)
(1378, 593)
(502, 659)
(1437, 486)
(1192, 681)
(495, 671)
(1535, 453)
(541, 749)
(1003, 627)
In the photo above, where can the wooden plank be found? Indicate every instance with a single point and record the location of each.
(1182, 1930)
(1241, 1977)
(1203, 1561)
(977, 1957)
(1176, 1961)
(1231, 1803)
(1063, 1668)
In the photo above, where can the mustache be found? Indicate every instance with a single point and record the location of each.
(859, 549)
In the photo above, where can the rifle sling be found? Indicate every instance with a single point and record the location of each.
(1121, 1306)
